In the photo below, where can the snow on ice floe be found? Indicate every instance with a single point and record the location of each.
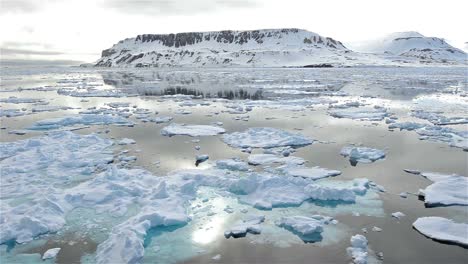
(313, 173)
(234, 164)
(17, 100)
(358, 250)
(31, 167)
(65, 171)
(309, 229)
(362, 154)
(443, 229)
(445, 190)
(80, 119)
(438, 119)
(191, 130)
(262, 159)
(250, 224)
(12, 112)
(265, 137)
(364, 114)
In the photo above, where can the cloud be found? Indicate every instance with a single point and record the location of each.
(175, 7)
(20, 6)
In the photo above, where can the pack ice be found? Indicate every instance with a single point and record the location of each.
(442, 229)
(309, 229)
(364, 114)
(81, 119)
(358, 250)
(191, 130)
(265, 137)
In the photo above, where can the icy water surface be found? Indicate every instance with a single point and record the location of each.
(102, 199)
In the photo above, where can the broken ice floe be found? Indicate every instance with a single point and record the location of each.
(443, 229)
(232, 164)
(262, 159)
(251, 224)
(313, 173)
(51, 253)
(358, 250)
(81, 119)
(362, 154)
(309, 229)
(365, 114)
(17, 100)
(265, 137)
(445, 190)
(191, 130)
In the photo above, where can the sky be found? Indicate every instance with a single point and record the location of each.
(78, 30)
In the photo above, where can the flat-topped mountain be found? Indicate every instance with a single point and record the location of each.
(268, 47)
(274, 48)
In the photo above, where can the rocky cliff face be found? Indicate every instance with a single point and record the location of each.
(275, 47)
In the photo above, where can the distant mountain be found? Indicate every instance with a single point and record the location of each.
(415, 45)
(288, 47)
(269, 47)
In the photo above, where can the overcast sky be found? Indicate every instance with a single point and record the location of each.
(80, 29)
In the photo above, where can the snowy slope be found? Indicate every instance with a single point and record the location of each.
(415, 45)
(269, 47)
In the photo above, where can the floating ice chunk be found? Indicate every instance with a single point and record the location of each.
(443, 229)
(118, 104)
(398, 215)
(309, 229)
(446, 189)
(454, 138)
(191, 130)
(49, 108)
(314, 173)
(82, 119)
(216, 257)
(12, 112)
(362, 154)
(91, 92)
(51, 253)
(161, 119)
(262, 159)
(406, 126)
(376, 229)
(16, 100)
(438, 119)
(358, 250)
(18, 132)
(250, 224)
(265, 137)
(126, 141)
(324, 193)
(232, 164)
(365, 114)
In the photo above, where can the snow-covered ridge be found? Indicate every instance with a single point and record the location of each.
(218, 47)
(414, 44)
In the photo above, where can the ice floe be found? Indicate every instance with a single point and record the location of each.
(191, 130)
(445, 190)
(51, 253)
(81, 119)
(443, 229)
(362, 154)
(17, 100)
(262, 159)
(358, 250)
(365, 114)
(309, 229)
(250, 224)
(234, 164)
(265, 137)
(314, 173)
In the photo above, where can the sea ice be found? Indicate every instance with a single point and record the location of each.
(443, 229)
(314, 173)
(232, 165)
(265, 137)
(309, 229)
(362, 154)
(51, 253)
(250, 224)
(262, 159)
(81, 119)
(446, 189)
(126, 141)
(191, 130)
(358, 250)
(17, 100)
(398, 215)
(365, 114)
